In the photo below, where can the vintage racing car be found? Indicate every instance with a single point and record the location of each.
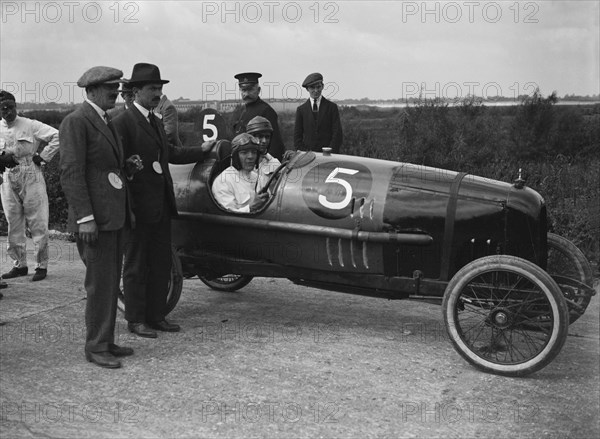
(480, 247)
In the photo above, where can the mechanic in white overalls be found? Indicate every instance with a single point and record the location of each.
(23, 191)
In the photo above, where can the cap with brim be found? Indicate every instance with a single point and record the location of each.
(126, 86)
(312, 79)
(247, 78)
(100, 75)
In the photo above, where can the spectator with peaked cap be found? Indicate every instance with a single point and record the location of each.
(252, 106)
(23, 191)
(147, 266)
(127, 95)
(317, 122)
(94, 175)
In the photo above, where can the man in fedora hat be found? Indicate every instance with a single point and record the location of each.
(317, 120)
(147, 265)
(94, 176)
(253, 106)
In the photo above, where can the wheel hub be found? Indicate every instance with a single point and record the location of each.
(500, 318)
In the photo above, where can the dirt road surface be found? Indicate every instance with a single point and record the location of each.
(275, 360)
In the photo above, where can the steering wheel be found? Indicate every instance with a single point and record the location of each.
(272, 177)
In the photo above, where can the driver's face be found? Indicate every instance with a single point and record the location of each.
(248, 159)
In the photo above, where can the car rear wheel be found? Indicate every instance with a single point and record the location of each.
(566, 263)
(175, 285)
(505, 315)
(228, 282)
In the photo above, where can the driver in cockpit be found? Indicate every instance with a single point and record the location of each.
(262, 130)
(238, 187)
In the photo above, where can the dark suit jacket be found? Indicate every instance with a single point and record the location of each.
(149, 190)
(88, 153)
(242, 115)
(311, 135)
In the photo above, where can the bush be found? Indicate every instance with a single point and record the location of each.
(557, 147)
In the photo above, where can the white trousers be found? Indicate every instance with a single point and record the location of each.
(25, 204)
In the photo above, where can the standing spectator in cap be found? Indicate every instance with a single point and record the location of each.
(260, 128)
(317, 120)
(23, 191)
(94, 177)
(147, 266)
(236, 188)
(166, 111)
(253, 106)
(127, 95)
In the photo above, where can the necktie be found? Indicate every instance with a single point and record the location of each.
(152, 119)
(315, 109)
(109, 124)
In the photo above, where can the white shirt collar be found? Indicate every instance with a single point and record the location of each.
(318, 101)
(99, 110)
(143, 110)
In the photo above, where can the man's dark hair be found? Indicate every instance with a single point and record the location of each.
(6, 96)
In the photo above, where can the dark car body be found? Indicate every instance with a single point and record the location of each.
(359, 222)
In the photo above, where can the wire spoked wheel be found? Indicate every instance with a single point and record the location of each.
(505, 315)
(227, 282)
(572, 272)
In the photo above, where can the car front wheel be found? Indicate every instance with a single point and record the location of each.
(505, 315)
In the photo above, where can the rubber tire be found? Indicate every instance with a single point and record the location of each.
(524, 269)
(175, 286)
(577, 267)
(229, 286)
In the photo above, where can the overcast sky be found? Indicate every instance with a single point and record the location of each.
(375, 49)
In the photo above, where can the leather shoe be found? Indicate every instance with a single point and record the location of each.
(15, 272)
(120, 351)
(141, 329)
(165, 326)
(103, 359)
(40, 273)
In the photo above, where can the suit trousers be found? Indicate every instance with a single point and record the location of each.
(103, 261)
(147, 271)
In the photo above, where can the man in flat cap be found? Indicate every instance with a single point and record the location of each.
(317, 120)
(253, 106)
(94, 175)
(147, 266)
(24, 197)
